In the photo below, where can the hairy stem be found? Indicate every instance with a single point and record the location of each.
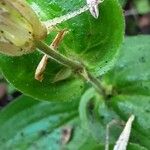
(61, 59)
(97, 84)
(73, 64)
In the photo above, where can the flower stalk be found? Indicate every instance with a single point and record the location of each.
(61, 59)
(76, 66)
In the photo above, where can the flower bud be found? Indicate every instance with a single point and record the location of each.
(19, 28)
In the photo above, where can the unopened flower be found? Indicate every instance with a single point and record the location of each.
(19, 27)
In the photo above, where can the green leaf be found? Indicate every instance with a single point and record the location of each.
(130, 79)
(22, 77)
(26, 123)
(94, 42)
(131, 74)
(139, 106)
(29, 124)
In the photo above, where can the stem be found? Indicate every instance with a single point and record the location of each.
(94, 81)
(61, 59)
(75, 65)
(97, 84)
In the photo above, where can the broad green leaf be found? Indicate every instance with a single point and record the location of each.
(131, 74)
(20, 72)
(139, 106)
(94, 42)
(26, 124)
(130, 79)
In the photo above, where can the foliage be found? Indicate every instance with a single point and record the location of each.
(82, 30)
(28, 123)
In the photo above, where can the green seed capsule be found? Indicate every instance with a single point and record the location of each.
(19, 27)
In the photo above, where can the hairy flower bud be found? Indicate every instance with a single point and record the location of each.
(19, 27)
